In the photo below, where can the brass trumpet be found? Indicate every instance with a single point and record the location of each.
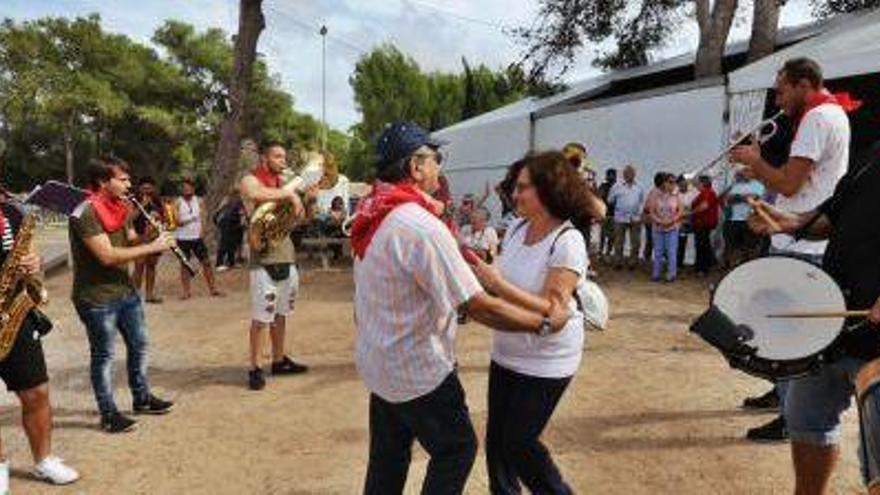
(761, 132)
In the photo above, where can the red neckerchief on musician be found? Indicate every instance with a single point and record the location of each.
(383, 200)
(843, 100)
(110, 210)
(266, 176)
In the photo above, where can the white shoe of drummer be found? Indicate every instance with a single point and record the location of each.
(53, 470)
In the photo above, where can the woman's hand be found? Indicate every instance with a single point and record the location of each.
(559, 315)
(488, 275)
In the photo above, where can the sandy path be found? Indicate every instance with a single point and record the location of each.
(653, 409)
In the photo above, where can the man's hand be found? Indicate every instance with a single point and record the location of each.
(488, 275)
(874, 317)
(767, 220)
(162, 243)
(31, 263)
(747, 154)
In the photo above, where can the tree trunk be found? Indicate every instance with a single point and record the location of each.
(68, 150)
(714, 22)
(250, 23)
(765, 24)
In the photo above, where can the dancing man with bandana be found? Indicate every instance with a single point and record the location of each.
(410, 280)
(102, 244)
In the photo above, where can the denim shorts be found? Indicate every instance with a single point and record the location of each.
(814, 404)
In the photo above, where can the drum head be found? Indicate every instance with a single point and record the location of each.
(779, 284)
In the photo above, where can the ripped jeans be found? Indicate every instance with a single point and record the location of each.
(126, 316)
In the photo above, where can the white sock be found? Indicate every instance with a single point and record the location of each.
(4, 478)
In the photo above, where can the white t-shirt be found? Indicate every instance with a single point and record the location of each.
(188, 210)
(483, 240)
(553, 356)
(823, 136)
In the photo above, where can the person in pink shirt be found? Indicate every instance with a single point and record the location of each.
(665, 211)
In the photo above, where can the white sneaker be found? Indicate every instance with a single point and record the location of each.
(53, 470)
(222, 268)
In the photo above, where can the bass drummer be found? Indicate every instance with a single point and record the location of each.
(848, 220)
(817, 160)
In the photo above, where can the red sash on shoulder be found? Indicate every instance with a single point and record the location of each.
(843, 100)
(266, 176)
(383, 200)
(110, 210)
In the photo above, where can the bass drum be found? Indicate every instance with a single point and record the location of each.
(776, 347)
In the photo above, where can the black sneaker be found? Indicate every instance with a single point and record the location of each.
(256, 380)
(773, 431)
(288, 367)
(770, 400)
(117, 423)
(154, 405)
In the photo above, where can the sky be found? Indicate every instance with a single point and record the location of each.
(436, 33)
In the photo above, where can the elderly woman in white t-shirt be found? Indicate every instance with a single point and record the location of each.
(543, 260)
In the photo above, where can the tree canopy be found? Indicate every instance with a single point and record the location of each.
(70, 91)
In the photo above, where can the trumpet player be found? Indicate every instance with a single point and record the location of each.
(24, 373)
(818, 158)
(274, 280)
(102, 243)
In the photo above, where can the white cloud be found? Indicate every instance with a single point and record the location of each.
(436, 33)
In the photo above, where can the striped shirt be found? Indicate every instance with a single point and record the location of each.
(6, 239)
(408, 287)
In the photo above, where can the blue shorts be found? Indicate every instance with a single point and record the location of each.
(814, 404)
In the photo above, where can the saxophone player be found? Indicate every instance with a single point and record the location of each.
(274, 280)
(24, 372)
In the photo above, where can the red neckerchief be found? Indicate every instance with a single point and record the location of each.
(110, 210)
(383, 200)
(266, 176)
(843, 100)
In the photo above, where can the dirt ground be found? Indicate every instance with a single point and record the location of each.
(652, 410)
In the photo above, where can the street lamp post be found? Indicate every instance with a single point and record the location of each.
(323, 87)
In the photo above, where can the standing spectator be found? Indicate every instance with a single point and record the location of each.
(740, 244)
(606, 237)
(628, 198)
(469, 203)
(706, 209)
(666, 212)
(230, 221)
(145, 267)
(659, 180)
(480, 236)
(688, 194)
(189, 238)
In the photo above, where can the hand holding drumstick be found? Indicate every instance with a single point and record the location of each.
(767, 220)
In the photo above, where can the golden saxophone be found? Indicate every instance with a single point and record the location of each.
(19, 291)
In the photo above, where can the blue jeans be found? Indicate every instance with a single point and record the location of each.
(126, 316)
(665, 249)
(440, 422)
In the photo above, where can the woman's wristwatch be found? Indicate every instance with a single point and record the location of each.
(546, 328)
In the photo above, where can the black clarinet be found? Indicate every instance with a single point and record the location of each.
(158, 226)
